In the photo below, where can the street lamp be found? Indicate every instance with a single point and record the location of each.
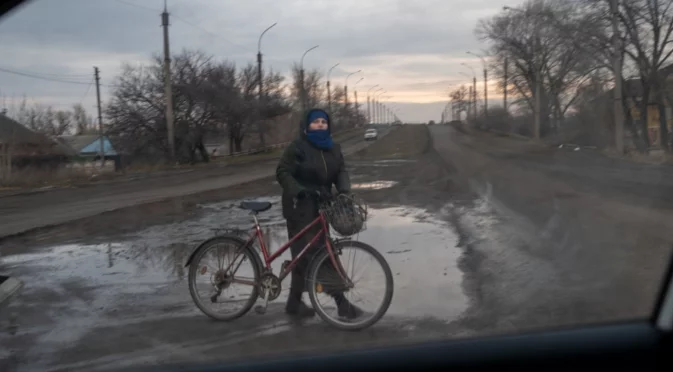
(474, 88)
(329, 92)
(346, 92)
(471, 107)
(536, 67)
(369, 111)
(301, 78)
(355, 93)
(483, 61)
(261, 79)
(377, 105)
(346, 85)
(385, 110)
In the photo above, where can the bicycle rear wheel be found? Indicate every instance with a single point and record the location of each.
(324, 283)
(223, 294)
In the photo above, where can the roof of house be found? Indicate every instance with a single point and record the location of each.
(12, 131)
(87, 143)
(79, 142)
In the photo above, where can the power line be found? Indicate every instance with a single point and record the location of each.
(38, 76)
(212, 34)
(35, 76)
(138, 6)
(50, 75)
(190, 23)
(87, 91)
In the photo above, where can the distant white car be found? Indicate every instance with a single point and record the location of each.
(371, 134)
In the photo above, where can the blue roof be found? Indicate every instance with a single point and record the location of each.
(89, 144)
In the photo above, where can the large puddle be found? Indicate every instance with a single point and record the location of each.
(147, 270)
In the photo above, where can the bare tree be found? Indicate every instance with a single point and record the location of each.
(135, 113)
(648, 25)
(315, 92)
(210, 98)
(63, 122)
(461, 99)
(193, 112)
(80, 119)
(529, 38)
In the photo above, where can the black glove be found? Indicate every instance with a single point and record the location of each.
(308, 193)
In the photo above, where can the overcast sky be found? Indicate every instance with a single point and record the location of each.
(413, 49)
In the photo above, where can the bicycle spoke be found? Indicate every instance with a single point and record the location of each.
(227, 296)
(355, 260)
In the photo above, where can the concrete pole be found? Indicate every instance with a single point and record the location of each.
(168, 89)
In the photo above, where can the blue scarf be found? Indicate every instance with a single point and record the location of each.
(320, 138)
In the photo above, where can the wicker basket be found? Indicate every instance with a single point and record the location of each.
(346, 214)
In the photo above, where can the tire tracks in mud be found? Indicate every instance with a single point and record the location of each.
(541, 254)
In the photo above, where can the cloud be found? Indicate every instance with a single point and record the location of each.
(413, 49)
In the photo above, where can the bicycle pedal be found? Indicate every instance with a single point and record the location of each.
(261, 310)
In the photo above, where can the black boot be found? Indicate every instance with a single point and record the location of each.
(297, 308)
(345, 308)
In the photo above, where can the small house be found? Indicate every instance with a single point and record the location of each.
(87, 146)
(21, 147)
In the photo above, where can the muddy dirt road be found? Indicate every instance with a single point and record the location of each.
(480, 242)
(111, 292)
(24, 212)
(571, 237)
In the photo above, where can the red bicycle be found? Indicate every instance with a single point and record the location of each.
(327, 272)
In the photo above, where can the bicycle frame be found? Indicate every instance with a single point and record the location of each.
(257, 234)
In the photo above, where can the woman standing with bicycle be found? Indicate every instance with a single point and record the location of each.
(310, 165)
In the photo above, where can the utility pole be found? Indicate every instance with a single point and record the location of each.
(369, 108)
(485, 90)
(346, 92)
(483, 61)
(369, 112)
(100, 118)
(302, 93)
(474, 96)
(617, 66)
(260, 79)
(469, 105)
(377, 114)
(504, 100)
(375, 110)
(357, 116)
(168, 89)
(329, 92)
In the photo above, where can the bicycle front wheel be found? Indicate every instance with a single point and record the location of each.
(350, 308)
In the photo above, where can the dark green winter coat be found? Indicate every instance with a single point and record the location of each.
(304, 166)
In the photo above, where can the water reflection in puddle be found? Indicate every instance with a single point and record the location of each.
(381, 163)
(375, 185)
(420, 249)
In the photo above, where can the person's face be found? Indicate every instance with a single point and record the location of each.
(318, 124)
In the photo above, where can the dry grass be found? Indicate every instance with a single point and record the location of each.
(64, 177)
(348, 135)
(252, 158)
(59, 177)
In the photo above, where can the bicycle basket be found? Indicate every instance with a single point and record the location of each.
(346, 214)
